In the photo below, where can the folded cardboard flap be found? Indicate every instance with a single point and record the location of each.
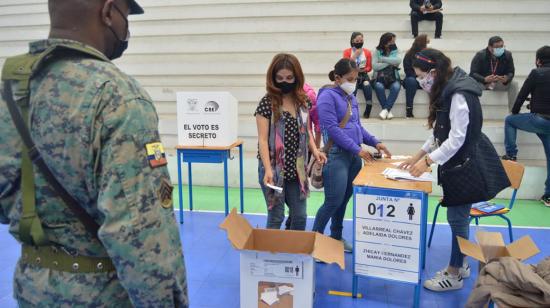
(283, 241)
(491, 245)
(239, 231)
(329, 250)
(485, 238)
(523, 249)
(243, 237)
(470, 249)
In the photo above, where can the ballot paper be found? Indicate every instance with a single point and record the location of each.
(270, 297)
(400, 157)
(402, 175)
(285, 289)
(275, 188)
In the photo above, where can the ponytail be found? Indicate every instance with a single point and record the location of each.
(341, 68)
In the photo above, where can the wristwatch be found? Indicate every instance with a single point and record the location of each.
(426, 161)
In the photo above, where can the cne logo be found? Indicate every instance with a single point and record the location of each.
(211, 107)
(192, 105)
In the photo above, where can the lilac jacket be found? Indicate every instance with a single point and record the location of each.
(310, 92)
(331, 107)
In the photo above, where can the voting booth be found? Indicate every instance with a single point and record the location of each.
(207, 118)
(207, 132)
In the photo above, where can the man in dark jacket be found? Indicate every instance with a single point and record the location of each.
(493, 67)
(426, 10)
(538, 120)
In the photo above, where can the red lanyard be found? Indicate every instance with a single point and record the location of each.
(494, 68)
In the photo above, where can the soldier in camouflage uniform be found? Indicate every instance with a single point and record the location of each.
(97, 130)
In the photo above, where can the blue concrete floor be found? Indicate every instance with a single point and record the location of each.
(213, 268)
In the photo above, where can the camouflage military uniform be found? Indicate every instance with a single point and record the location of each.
(91, 123)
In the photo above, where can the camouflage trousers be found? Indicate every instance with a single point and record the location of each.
(40, 287)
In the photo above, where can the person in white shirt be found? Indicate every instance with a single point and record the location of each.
(456, 118)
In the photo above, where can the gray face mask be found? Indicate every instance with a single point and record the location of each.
(121, 45)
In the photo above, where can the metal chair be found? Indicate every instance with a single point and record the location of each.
(515, 171)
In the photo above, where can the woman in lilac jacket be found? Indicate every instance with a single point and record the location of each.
(344, 157)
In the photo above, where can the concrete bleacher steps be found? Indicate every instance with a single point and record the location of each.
(227, 45)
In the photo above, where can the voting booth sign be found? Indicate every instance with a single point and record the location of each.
(207, 118)
(388, 233)
(389, 223)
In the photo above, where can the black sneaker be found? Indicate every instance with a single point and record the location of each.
(546, 200)
(509, 157)
(409, 113)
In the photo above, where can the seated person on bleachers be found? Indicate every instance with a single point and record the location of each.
(385, 64)
(410, 83)
(363, 57)
(494, 68)
(426, 10)
(538, 120)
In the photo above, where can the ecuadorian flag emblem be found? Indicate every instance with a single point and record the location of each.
(155, 154)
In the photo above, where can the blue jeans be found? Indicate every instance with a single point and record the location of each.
(411, 85)
(297, 207)
(533, 123)
(459, 220)
(366, 88)
(338, 174)
(387, 103)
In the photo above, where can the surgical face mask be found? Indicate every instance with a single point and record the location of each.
(357, 45)
(498, 52)
(286, 87)
(427, 82)
(348, 87)
(121, 45)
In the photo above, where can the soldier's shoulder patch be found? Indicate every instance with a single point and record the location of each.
(155, 154)
(165, 193)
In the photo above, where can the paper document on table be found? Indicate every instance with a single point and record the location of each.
(403, 175)
(400, 157)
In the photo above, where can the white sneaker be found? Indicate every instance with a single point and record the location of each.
(464, 271)
(383, 114)
(443, 281)
(347, 246)
(390, 115)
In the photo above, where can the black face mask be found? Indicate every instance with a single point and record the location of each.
(286, 87)
(392, 47)
(121, 45)
(357, 45)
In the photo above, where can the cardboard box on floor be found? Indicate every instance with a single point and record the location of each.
(490, 245)
(278, 265)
